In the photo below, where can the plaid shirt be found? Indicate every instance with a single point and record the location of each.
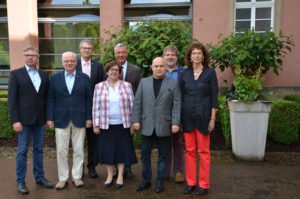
(101, 104)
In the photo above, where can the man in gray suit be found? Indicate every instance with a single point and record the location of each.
(156, 111)
(130, 73)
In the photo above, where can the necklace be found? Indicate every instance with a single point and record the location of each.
(196, 74)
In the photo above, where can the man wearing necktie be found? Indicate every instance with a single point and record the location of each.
(27, 95)
(96, 74)
(69, 111)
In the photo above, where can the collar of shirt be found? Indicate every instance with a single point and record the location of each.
(29, 69)
(89, 62)
(175, 69)
(72, 75)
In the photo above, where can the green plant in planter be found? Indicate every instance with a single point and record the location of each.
(247, 88)
(251, 52)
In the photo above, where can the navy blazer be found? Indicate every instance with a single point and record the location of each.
(25, 104)
(97, 72)
(198, 98)
(63, 107)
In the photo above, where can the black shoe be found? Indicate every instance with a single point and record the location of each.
(128, 174)
(92, 173)
(106, 185)
(22, 189)
(200, 191)
(143, 186)
(45, 183)
(118, 186)
(159, 187)
(189, 189)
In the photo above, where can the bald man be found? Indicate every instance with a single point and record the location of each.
(69, 111)
(156, 110)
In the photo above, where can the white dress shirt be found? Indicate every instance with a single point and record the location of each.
(35, 77)
(115, 115)
(70, 79)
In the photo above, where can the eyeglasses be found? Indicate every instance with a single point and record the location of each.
(87, 48)
(31, 55)
(114, 70)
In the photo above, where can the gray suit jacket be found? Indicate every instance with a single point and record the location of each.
(159, 113)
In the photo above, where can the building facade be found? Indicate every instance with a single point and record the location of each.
(55, 26)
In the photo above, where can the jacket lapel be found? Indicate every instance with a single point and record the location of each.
(27, 78)
(75, 83)
(162, 88)
(63, 79)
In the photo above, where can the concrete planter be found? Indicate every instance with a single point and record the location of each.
(249, 124)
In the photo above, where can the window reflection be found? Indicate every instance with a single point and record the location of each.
(68, 2)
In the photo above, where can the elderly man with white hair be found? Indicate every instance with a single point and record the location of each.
(69, 112)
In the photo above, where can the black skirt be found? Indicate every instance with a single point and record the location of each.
(114, 146)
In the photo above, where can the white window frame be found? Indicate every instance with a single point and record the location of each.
(253, 5)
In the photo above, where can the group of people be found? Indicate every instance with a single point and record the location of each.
(109, 105)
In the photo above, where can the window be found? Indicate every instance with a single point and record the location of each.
(61, 29)
(256, 14)
(4, 45)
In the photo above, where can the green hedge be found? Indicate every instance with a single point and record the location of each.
(137, 140)
(6, 130)
(223, 118)
(3, 94)
(284, 122)
(294, 98)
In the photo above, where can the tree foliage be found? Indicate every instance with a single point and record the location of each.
(146, 40)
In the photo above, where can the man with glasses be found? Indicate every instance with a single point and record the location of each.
(96, 74)
(27, 95)
(69, 111)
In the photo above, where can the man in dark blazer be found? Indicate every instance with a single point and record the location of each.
(156, 110)
(96, 73)
(175, 155)
(69, 111)
(27, 96)
(130, 73)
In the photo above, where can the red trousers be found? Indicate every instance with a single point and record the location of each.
(196, 141)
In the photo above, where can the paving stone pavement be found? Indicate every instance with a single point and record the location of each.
(278, 177)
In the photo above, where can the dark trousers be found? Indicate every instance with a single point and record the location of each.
(175, 155)
(91, 144)
(37, 133)
(163, 146)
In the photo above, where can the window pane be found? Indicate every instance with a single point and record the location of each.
(158, 1)
(58, 46)
(83, 13)
(3, 46)
(4, 75)
(263, 13)
(69, 2)
(241, 26)
(262, 0)
(262, 25)
(2, 2)
(4, 30)
(243, 1)
(243, 13)
(4, 61)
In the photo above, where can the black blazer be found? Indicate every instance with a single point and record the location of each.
(25, 104)
(64, 107)
(198, 98)
(97, 72)
(133, 75)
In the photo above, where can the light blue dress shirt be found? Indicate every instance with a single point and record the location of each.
(70, 79)
(173, 74)
(35, 77)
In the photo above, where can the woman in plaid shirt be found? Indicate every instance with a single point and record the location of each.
(112, 105)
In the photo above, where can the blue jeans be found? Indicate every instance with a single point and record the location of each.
(37, 132)
(163, 146)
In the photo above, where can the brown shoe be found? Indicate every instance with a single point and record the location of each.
(60, 185)
(179, 178)
(78, 183)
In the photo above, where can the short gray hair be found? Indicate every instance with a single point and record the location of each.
(33, 49)
(119, 45)
(87, 42)
(171, 48)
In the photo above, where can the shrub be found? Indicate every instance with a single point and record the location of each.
(6, 130)
(294, 98)
(3, 94)
(284, 122)
(224, 119)
(137, 140)
(147, 40)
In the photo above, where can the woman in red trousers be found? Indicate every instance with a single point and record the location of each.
(199, 89)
